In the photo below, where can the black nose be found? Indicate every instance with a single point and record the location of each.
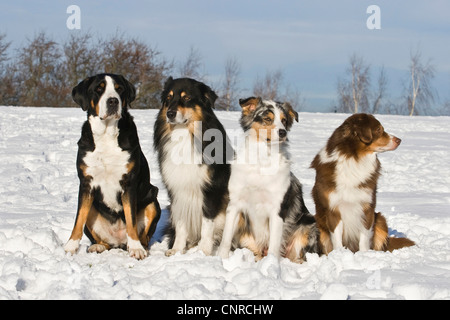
(282, 133)
(112, 102)
(112, 106)
(171, 114)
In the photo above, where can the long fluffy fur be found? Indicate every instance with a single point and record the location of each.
(266, 213)
(347, 172)
(197, 184)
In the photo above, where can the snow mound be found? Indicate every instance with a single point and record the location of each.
(38, 200)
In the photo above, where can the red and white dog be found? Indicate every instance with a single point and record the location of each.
(347, 171)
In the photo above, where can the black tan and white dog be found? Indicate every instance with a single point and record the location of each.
(193, 151)
(117, 204)
(347, 172)
(266, 212)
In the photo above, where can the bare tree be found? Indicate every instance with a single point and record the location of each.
(380, 92)
(269, 86)
(420, 93)
(229, 90)
(353, 92)
(7, 71)
(295, 98)
(272, 87)
(38, 72)
(190, 68)
(81, 59)
(140, 64)
(3, 49)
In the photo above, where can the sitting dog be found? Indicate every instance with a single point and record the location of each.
(347, 172)
(117, 204)
(266, 212)
(193, 154)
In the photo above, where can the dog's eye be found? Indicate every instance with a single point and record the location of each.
(119, 89)
(169, 97)
(267, 119)
(284, 121)
(186, 98)
(99, 89)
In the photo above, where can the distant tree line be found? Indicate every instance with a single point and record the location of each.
(357, 93)
(43, 72)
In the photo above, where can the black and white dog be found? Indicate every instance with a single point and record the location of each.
(117, 204)
(266, 212)
(193, 151)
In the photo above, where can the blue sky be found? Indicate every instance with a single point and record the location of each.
(309, 41)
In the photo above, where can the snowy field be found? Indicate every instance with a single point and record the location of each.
(38, 200)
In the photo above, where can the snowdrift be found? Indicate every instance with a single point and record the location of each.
(38, 200)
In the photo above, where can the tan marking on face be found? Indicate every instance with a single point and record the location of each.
(195, 115)
(263, 132)
(96, 107)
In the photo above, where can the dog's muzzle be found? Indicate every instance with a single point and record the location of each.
(112, 106)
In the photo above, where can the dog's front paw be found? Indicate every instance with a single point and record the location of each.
(138, 253)
(171, 252)
(223, 253)
(72, 246)
(174, 251)
(136, 250)
(98, 248)
(206, 247)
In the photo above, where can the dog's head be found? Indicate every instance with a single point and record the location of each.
(184, 100)
(268, 120)
(365, 133)
(104, 95)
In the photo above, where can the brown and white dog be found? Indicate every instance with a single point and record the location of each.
(347, 172)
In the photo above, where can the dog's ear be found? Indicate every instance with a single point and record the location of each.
(165, 92)
(291, 111)
(80, 93)
(249, 105)
(130, 90)
(364, 133)
(208, 94)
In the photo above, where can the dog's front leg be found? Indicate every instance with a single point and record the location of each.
(336, 235)
(276, 235)
(84, 207)
(180, 242)
(365, 238)
(206, 242)
(229, 230)
(135, 248)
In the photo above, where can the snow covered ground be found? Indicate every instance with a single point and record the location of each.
(38, 199)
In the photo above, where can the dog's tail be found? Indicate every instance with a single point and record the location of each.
(381, 239)
(305, 239)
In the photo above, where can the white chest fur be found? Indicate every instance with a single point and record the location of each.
(185, 177)
(108, 162)
(256, 190)
(349, 197)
